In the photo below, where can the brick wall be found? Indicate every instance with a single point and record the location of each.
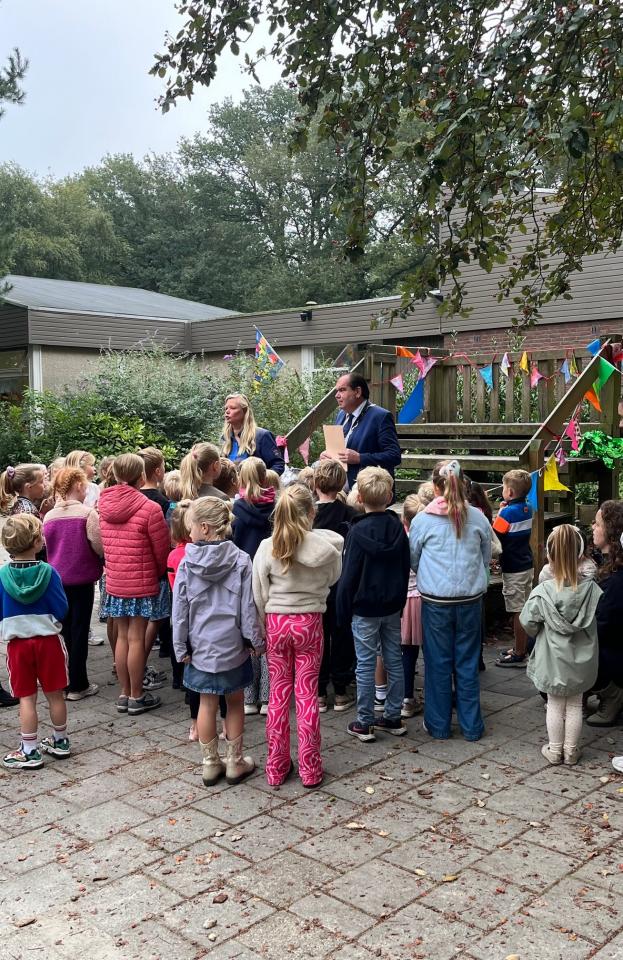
(544, 336)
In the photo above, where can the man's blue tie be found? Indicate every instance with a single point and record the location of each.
(347, 424)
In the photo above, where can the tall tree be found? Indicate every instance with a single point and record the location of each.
(11, 92)
(499, 95)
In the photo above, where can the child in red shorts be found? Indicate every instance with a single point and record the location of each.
(32, 607)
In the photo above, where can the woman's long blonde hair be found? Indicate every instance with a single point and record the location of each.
(246, 443)
(253, 478)
(193, 467)
(293, 518)
(564, 547)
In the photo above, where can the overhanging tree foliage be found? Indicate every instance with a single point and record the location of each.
(11, 91)
(501, 99)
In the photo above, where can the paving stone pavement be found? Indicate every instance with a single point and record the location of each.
(413, 848)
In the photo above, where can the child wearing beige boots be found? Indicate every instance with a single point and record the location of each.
(215, 626)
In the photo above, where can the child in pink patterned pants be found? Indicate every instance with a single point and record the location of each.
(292, 573)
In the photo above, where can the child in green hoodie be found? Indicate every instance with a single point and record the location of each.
(32, 607)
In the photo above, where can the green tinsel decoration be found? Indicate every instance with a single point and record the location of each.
(596, 443)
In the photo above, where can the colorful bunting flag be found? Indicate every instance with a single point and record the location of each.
(550, 477)
(533, 495)
(535, 376)
(418, 361)
(415, 404)
(566, 372)
(429, 363)
(605, 372)
(404, 352)
(282, 443)
(268, 362)
(505, 364)
(572, 430)
(592, 397)
(487, 375)
(524, 363)
(398, 383)
(561, 457)
(594, 346)
(573, 367)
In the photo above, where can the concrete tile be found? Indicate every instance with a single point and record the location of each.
(282, 935)
(284, 878)
(601, 806)
(237, 804)
(234, 917)
(378, 888)
(456, 749)
(519, 753)
(524, 802)
(612, 950)
(484, 773)
(165, 796)
(36, 812)
(22, 898)
(436, 854)
(580, 907)
(91, 791)
(571, 782)
(357, 786)
(573, 836)
(604, 870)
(155, 768)
(444, 796)
(341, 918)
(30, 851)
(398, 821)
(486, 828)
(344, 848)
(527, 864)
(98, 863)
(417, 931)
(129, 900)
(481, 901)
(105, 820)
(260, 838)
(153, 941)
(18, 786)
(196, 869)
(527, 938)
(315, 812)
(410, 766)
(178, 829)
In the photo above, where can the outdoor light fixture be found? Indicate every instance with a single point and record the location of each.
(306, 316)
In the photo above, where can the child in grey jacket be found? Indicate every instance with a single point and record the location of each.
(214, 625)
(560, 613)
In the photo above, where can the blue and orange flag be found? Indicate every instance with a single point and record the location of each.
(268, 363)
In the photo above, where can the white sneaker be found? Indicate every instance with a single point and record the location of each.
(95, 641)
(90, 691)
(250, 709)
(322, 705)
(617, 763)
(264, 710)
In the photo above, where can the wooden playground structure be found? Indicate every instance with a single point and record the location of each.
(491, 431)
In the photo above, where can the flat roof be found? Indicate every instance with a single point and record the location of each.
(72, 297)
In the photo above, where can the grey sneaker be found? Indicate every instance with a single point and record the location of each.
(142, 704)
(122, 704)
(90, 691)
(343, 701)
(554, 756)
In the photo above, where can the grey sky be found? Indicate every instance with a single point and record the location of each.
(88, 92)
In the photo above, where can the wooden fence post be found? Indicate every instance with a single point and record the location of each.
(537, 539)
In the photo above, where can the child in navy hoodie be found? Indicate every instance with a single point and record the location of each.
(253, 512)
(32, 608)
(372, 592)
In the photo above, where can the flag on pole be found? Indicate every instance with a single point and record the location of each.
(268, 363)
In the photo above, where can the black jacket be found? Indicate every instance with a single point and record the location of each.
(375, 573)
(336, 516)
(609, 614)
(252, 524)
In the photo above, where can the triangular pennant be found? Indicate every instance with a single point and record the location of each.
(282, 443)
(418, 361)
(524, 363)
(505, 364)
(398, 383)
(573, 367)
(572, 430)
(404, 352)
(415, 404)
(533, 495)
(304, 451)
(535, 376)
(592, 397)
(429, 363)
(561, 457)
(487, 375)
(605, 372)
(566, 372)
(594, 346)
(550, 477)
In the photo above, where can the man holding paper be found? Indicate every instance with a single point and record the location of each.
(364, 435)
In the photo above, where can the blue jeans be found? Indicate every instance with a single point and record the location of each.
(452, 649)
(372, 634)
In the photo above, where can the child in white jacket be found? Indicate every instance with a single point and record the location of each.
(292, 573)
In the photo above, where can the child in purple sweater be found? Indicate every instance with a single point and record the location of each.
(74, 549)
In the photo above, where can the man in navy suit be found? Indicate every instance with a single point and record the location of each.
(369, 431)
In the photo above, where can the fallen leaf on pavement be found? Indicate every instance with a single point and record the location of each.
(354, 825)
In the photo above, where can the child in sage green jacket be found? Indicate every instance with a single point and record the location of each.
(560, 613)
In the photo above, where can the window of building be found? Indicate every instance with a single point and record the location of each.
(13, 374)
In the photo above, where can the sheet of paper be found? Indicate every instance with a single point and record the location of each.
(334, 438)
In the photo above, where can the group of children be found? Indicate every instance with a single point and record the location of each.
(263, 593)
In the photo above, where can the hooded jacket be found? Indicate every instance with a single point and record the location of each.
(565, 657)
(610, 613)
(334, 515)
(136, 542)
(252, 524)
(213, 608)
(73, 542)
(450, 569)
(32, 601)
(375, 578)
(305, 586)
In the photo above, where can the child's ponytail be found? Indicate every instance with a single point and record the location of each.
(193, 467)
(13, 480)
(565, 547)
(252, 478)
(448, 477)
(292, 520)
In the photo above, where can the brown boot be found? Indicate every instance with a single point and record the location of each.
(213, 767)
(237, 766)
(610, 706)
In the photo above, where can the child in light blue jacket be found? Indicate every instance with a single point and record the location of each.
(450, 545)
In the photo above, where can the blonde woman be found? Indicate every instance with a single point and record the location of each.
(199, 470)
(293, 572)
(242, 437)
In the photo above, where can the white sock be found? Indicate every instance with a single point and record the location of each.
(380, 692)
(30, 742)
